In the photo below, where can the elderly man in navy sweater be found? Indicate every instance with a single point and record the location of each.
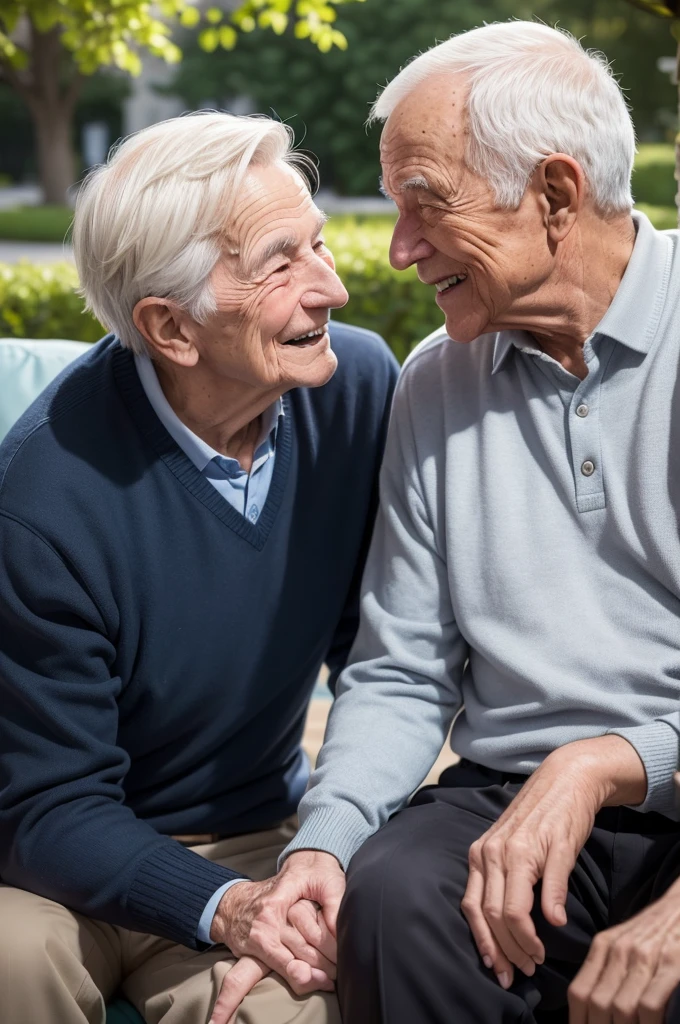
(183, 520)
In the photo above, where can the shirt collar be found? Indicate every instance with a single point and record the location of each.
(633, 315)
(194, 447)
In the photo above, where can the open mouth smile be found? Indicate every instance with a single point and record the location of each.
(310, 338)
(449, 283)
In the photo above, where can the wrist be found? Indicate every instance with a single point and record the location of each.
(608, 767)
(305, 859)
(225, 912)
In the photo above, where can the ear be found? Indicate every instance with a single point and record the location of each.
(560, 182)
(167, 329)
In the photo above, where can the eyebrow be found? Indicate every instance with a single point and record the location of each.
(418, 181)
(284, 246)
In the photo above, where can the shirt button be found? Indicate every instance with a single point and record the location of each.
(588, 468)
(582, 410)
(253, 513)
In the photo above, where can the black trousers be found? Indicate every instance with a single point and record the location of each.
(406, 954)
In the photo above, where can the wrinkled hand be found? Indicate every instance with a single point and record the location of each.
(631, 970)
(286, 924)
(540, 836)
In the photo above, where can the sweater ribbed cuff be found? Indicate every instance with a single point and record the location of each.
(339, 830)
(658, 745)
(171, 889)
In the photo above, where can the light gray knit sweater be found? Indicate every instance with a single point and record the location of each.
(525, 566)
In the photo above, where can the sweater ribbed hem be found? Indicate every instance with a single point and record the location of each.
(170, 892)
(658, 745)
(337, 830)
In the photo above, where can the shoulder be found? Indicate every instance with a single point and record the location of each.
(362, 354)
(439, 359)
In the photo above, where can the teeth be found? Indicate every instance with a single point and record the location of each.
(441, 286)
(311, 334)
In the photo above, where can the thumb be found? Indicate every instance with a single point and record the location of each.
(329, 898)
(554, 889)
(236, 985)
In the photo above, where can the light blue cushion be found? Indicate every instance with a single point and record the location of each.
(26, 367)
(122, 1012)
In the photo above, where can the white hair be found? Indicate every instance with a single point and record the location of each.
(153, 220)
(533, 91)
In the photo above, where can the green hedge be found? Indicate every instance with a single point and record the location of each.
(654, 175)
(41, 301)
(393, 303)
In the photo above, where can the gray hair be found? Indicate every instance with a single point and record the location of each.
(533, 91)
(153, 219)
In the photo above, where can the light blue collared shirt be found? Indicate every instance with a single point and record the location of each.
(246, 492)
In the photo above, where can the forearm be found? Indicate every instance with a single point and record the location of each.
(381, 740)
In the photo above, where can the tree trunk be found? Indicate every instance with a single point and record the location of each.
(54, 148)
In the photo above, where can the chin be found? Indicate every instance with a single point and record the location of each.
(313, 373)
(465, 329)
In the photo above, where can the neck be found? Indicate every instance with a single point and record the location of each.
(588, 267)
(224, 413)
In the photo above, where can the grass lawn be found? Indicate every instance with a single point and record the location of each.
(35, 223)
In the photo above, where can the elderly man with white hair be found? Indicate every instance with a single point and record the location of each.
(524, 576)
(184, 514)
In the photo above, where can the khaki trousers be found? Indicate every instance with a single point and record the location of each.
(59, 967)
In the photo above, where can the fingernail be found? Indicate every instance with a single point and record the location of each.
(504, 979)
(560, 914)
(487, 961)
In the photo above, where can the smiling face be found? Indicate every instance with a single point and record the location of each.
(488, 263)
(276, 284)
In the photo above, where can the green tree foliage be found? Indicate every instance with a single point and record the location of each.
(48, 48)
(669, 9)
(329, 98)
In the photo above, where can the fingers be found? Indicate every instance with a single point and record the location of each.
(311, 924)
(490, 951)
(627, 989)
(302, 950)
(304, 979)
(494, 906)
(654, 1000)
(558, 866)
(237, 983)
(516, 911)
(585, 981)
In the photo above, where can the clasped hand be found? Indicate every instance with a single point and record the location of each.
(285, 924)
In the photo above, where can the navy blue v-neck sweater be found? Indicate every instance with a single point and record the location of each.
(157, 650)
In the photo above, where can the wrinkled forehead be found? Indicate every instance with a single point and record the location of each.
(425, 132)
(268, 194)
(274, 214)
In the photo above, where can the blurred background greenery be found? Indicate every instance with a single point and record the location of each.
(324, 92)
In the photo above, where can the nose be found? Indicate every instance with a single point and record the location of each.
(326, 290)
(408, 245)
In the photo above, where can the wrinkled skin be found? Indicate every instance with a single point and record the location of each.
(631, 970)
(550, 267)
(219, 376)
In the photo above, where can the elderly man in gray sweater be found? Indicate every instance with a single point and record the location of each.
(524, 578)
